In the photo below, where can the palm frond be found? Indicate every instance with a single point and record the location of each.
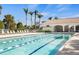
(0, 7)
(26, 10)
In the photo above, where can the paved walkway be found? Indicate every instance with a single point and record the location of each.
(71, 47)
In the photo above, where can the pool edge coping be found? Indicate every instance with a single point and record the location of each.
(64, 45)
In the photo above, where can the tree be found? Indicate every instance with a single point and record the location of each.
(20, 26)
(31, 13)
(25, 27)
(5, 24)
(9, 19)
(33, 27)
(13, 26)
(0, 9)
(39, 16)
(35, 12)
(1, 25)
(26, 12)
(50, 18)
(56, 18)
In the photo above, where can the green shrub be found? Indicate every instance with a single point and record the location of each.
(1, 25)
(20, 26)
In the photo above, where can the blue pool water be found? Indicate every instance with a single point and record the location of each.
(40, 44)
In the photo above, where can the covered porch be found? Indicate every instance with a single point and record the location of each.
(66, 27)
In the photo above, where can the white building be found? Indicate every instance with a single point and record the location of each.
(62, 25)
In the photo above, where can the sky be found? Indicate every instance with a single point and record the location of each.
(47, 10)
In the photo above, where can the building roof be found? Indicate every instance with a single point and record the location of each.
(62, 21)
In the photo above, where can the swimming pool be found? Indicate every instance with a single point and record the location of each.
(40, 44)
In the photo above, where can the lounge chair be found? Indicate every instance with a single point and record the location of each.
(18, 31)
(11, 31)
(7, 31)
(21, 30)
(2, 31)
(24, 30)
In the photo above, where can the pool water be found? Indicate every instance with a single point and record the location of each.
(40, 44)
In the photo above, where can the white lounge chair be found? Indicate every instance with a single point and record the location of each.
(2, 31)
(7, 32)
(10, 31)
(13, 31)
(18, 31)
(27, 30)
(24, 30)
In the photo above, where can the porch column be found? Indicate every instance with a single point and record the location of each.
(53, 28)
(74, 28)
(69, 28)
(63, 28)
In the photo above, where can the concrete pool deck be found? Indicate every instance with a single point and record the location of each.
(17, 34)
(71, 47)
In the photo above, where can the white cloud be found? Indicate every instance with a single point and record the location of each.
(48, 14)
(71, 16)
(76, 15)
(44, 13)
(63, 7)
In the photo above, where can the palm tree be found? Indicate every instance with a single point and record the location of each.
(35, 12)
(55, 18)
(26, 12)
(31, 13)
(39, 16)
(0, 9)
(50, 18)
(9, 22)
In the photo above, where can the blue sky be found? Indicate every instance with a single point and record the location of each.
(48, 10)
